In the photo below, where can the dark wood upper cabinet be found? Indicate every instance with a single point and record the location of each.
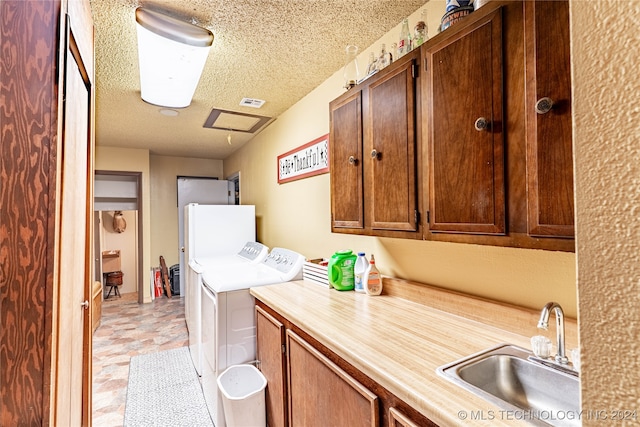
(463, 113)
(373, 142)
(548, 117)
(390, 152)
(345, 138)
(481, 139)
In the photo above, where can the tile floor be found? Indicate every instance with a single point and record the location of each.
(128, 329)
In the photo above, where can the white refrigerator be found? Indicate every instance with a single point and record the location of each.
(211, 231)
(205, 191)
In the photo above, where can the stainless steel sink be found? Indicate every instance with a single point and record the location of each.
(521, 387)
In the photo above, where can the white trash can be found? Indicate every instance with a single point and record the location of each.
(242, 388)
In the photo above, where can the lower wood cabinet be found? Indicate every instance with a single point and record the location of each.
(321, 394)
(308, 385)
(270, 352)
(398, 419)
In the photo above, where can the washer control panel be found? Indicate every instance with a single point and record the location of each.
(254, 251)
(286, 261)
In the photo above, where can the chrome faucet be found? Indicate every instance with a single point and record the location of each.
(543, 323)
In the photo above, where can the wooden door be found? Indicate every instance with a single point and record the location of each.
(73, 349)
(270, 351)
(345, 142)
(322, 394)
(389, 149)
(464, 129)
(548, 119)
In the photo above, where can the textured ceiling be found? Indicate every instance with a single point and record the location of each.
(274, 50)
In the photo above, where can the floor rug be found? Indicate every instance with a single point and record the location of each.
(164, 390)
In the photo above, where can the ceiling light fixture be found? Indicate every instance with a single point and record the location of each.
(171, 55)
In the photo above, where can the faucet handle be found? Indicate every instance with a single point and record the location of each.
(541, 346)
(575, 358)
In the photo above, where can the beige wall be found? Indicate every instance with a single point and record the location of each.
(133, 160)
(605, 50)
(164, 198)
(297, 215)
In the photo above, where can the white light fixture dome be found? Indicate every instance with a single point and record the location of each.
(171, 55)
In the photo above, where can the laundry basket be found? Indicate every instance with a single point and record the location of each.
(242, 388)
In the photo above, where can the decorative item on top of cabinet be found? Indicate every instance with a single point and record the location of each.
(548, 118)
(463, 105)
(373, 154)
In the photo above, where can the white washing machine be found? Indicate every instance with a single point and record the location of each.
(251, 253)
(228, 317)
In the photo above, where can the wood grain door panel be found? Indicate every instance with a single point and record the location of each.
(337, 399)
(466, 166)
(345, 141)
(398, 419)
(549, 139)
(270, 335)
(74, 268)
(389, 153)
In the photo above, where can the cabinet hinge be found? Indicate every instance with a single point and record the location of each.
(417, 217)
(426, 67)
(428, 217)
(284, 349)
(414, 71)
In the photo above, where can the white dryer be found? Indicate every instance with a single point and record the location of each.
(228, 317)
(251, 253)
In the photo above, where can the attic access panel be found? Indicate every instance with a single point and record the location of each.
(235, 121)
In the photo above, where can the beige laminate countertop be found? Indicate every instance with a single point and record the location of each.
(399, 343)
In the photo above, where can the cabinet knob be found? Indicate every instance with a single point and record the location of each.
(374, 154)
(352, 160)
(85, 305)
(481, 124)
(544, 105)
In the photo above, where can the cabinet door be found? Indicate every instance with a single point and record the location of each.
(322, 394)
(389, 155)
(549, 144)
(463, 105)
(398, 419)
(345, 143)
(270, 353)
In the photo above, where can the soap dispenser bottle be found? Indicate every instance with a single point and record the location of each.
(373, 282)
(359, 272)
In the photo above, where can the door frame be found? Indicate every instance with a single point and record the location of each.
(140, 249)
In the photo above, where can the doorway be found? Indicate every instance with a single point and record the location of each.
(117, 198)
(234, 178)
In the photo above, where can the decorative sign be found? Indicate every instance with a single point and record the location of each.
(307, 160)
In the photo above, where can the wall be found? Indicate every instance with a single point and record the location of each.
(164, 200)
(297, 215)
(606, 40)
(133, 160)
